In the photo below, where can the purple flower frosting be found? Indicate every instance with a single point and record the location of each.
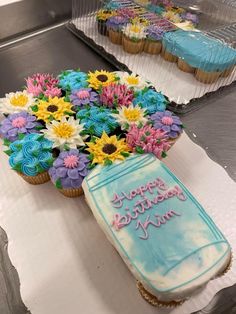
(168, 122)
(117, 22)
(83, 96)
(190, 17)
(155, 32)
(16, 123)
(69, 169)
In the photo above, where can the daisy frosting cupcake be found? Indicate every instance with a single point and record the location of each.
(127, 116)
(133, 37)
(68, 172)
(132, 80)
(66, 133)
(16, 102)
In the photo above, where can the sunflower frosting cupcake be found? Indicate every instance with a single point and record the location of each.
(102, 16)
(107, 149)
(68, 172)
(99, 79)
(52, 109)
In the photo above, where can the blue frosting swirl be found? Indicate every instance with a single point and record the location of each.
(199, 50)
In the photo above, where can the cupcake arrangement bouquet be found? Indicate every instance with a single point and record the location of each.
(59, 128)
(140, 26)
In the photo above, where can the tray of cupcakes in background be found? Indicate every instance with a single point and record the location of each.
(170, 31)
(59, 128)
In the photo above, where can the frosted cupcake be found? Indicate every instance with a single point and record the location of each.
(102, 17)
(153, 40)
(114, 26)
(68, 172)
(31, 157)
(169, 123)
(133, 38)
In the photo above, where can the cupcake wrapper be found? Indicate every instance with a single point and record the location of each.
(207, 77)
(71, 192)
(38, 179)
(227, 72)
(185, 67)
(102, 28)
(133, 47)
(151, 299)
(152, 47)
(168, 56)
(115, 36)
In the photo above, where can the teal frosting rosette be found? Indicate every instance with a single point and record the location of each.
(30, 155)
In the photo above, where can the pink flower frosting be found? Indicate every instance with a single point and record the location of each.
(167, 120)
(115, 95)
(19, 122)
(148, 140)
(71, 161)
(83, 94)
(44, 84)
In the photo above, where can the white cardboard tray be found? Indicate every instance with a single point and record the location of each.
(178, 86)
(64, 261)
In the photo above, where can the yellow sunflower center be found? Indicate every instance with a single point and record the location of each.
(132, 114)
(63, 130)
(19, 101)
(132, 80)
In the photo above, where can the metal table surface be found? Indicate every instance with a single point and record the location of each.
(212, 127)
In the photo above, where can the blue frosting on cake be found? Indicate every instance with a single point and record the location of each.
(186, 238)
(199, 50)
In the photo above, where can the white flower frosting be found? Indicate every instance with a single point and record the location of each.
(16, 102)
(130, 115)
(65, 133)
(134, 31)
(132, 80)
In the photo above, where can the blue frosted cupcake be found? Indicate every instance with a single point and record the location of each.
(31, 157)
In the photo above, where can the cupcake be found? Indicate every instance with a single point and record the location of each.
(169, 123)
(16, 102)
(68, 172)
(153, 40)
(95, 120)
(114, 26)
(150, 100)
(44, 84)
(82, 97)
(147, 140)
(133, 38)
(116, 95)
(19, 123)
(31, 157)
(102, 17)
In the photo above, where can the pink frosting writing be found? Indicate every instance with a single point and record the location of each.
(160, 220)
(145, 204)
(118, 199)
